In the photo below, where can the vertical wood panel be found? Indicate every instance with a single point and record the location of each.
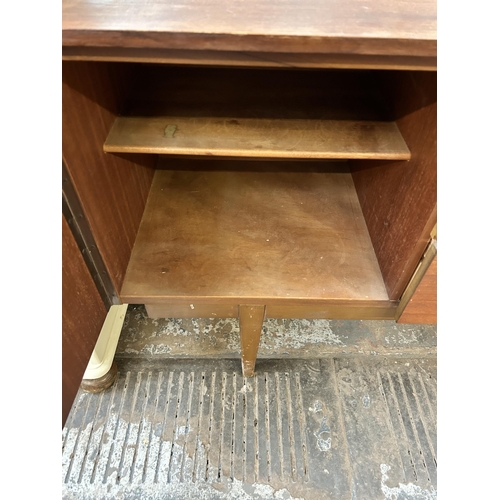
(112, 189)
(398, 199)
(83, 315)
(422, 307)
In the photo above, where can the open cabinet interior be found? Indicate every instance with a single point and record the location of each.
(308, 192)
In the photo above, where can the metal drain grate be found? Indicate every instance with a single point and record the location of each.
(198, 429)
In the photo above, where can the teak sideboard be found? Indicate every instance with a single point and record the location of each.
(247, 159)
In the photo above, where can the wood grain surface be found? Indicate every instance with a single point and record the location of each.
(374, 27)
(112, 189)
(221, 236)
(299, 309)
(192, 310)
(83, 314)
(348, 310)
(399, 199)
(422, 307)
(257, 137)
(249, 59)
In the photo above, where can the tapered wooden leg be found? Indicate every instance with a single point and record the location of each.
(251, 319)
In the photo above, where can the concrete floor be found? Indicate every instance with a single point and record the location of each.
(281, 338)
(337, 409)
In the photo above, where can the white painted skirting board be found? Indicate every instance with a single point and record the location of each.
(105, 348)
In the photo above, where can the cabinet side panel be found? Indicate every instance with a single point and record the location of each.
(398, 199)
(112, 189)
(83, 314)
(422, 307)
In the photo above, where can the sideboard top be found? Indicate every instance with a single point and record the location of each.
(387, 28)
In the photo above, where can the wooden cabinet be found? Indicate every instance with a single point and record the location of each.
(274, 170)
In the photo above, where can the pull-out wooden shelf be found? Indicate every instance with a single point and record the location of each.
(257, 137)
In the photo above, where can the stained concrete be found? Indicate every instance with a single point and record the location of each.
(291, 338)
(308, 429)
(337, 410)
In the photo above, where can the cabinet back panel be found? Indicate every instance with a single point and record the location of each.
(256, 93)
